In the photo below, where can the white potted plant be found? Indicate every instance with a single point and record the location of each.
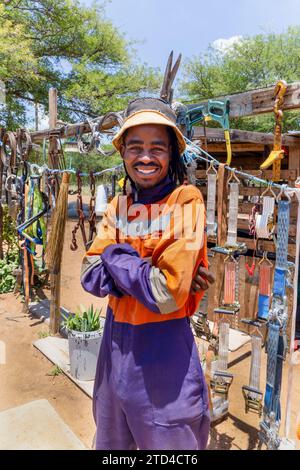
(84, 335)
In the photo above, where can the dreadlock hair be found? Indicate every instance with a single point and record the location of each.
(177, 169)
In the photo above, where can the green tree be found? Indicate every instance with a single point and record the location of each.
(60, 43)
(250, 63)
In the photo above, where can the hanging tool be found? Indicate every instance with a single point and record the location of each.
(92, 211)
(55, 243)
(252, 393)
(265, 272)
(232, 246)
(277, 153)
(277, 321)
(211, 201)
(230, 304)
(221, 379)
(215, 110)
(166, 92)
(81, 218)
(264, 223)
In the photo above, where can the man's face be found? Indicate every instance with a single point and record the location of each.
(146, 153)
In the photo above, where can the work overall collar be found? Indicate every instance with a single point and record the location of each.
(155, 194)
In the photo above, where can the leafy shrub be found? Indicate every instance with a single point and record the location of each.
(7, 266)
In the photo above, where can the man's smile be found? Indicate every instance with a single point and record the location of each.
(146, 170)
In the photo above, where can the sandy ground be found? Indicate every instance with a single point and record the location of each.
(25, 375)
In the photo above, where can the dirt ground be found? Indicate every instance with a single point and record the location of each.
(26, 375)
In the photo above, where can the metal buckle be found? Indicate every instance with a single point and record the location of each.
(221, 382)
(227, 309)
(253, 399)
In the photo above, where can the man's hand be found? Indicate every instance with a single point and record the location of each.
(202, 280)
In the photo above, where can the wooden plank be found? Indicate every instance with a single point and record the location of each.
(267, 245)
(222, 230)
(220, 148)
(254, 102)
(72, 129)
(290, 174)
(236, 135)
(243, 224)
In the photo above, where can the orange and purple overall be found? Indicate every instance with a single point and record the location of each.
(150, 391)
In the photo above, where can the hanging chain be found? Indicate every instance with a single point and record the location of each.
(92, 212)
(80, 213)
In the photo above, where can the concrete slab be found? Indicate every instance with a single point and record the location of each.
(36, 426)
(57, 351)
(41, 310)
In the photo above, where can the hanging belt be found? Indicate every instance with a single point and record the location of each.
(264, 292)
(252, 394)
(264, 221)
(211, 204)
(222, 379)
(233, 214)
(276, 344)
(229, 283)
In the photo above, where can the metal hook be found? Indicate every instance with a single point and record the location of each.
(269, 189)
(211, 167)
(283, 192)
(265, 258)
(259, 333)
(233, 175)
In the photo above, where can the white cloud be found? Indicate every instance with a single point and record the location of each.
(224, 45)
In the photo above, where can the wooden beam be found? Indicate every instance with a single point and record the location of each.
(70, 130)
(236, 135)
(290, 174)
(249, 103)
(222, 230)
(221, 148)
(254, 102)
(54, 276)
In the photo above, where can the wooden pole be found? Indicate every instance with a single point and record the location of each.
(55, 275)
(222, 231)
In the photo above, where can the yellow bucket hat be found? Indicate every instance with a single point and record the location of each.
(149, 111)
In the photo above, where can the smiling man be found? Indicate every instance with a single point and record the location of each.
(150, 391)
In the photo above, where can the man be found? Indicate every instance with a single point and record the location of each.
(149, 391)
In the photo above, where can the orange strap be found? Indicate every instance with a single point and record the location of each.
(229, 283)
(265, 280)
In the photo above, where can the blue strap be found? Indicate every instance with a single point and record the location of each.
(279, 282)
(263, 306)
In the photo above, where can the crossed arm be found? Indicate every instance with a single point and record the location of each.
(117, 269)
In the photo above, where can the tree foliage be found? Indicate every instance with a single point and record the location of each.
(62, 44)
(250, 63)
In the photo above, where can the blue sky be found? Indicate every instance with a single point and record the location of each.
(189, 26)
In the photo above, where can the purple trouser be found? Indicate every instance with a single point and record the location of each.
(150, 392)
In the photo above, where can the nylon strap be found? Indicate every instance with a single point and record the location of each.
(254, 381)
(276, 344)
(264, 291)
(211, 204)
(262, 220)
(233, 214)
(223, 346)
(229, 283)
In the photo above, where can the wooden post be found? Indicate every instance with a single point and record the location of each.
(222, 231)
(54, 276)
